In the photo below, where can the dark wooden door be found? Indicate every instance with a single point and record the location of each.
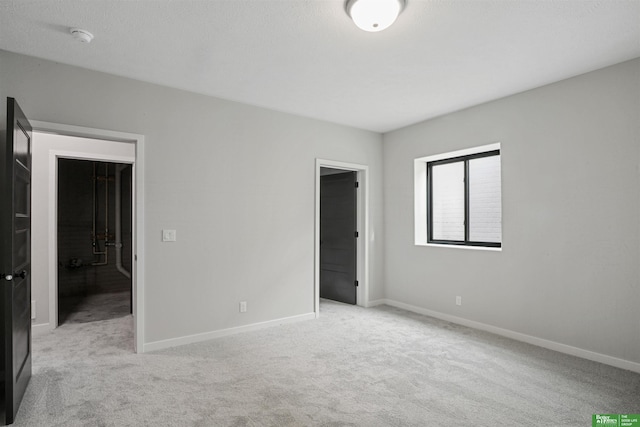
(15, 257)
(338, 221)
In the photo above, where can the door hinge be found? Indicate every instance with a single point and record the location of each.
(357, 283)
(357, 234)
(357, 184)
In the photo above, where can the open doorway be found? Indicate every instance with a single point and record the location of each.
(52, 143)
(94, 240)
(362, 241)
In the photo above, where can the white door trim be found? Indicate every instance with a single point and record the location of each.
(137, 274)
(362, 266)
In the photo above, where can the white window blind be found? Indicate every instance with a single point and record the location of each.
(485, 200)
(448, 201)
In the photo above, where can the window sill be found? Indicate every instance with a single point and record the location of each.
(475, 248)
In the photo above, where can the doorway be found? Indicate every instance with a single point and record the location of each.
(53, 142)
(361, 173)
(94, 240)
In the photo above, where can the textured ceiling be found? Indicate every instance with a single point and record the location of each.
(306, 57)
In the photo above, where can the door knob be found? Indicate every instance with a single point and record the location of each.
(9, 277)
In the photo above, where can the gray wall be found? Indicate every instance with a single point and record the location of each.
(568, 271)
(235, 181)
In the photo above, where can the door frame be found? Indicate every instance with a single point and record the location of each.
(362, 207)
(137, 176)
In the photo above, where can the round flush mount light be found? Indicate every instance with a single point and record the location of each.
(81, 35)
(374, 15)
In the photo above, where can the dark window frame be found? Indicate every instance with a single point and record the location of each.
(466, 241)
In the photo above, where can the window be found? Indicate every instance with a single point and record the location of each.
(461, 200)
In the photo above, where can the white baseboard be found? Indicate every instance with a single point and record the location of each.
(540, 342)
(40, 328)
(376, 302)
(205, 336)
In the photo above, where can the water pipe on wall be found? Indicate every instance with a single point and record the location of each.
(94, 235)
(118, 245)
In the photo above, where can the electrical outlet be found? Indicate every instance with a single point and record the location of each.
(243, 306)
(33, 309)
(458, 300)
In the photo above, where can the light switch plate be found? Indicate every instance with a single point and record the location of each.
(168, 235)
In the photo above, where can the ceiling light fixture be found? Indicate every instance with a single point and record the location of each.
(374, 15)
(81, 35)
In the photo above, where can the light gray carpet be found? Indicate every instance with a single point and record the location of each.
(353, 366)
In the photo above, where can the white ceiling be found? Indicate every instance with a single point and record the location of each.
(306, 56)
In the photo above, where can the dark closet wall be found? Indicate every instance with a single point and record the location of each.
(76, 274)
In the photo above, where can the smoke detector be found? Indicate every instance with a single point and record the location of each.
(81, 35)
